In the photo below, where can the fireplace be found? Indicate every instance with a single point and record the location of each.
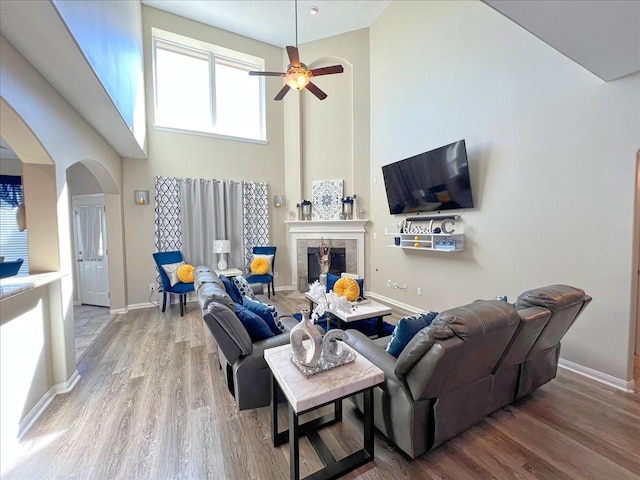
(337, 266)
(341, 234)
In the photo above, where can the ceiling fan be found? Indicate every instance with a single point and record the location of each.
(298, 76)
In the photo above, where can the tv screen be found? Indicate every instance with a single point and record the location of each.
(432, 181)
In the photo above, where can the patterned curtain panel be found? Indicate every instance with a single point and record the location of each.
(255, 217)
(191, 213)
(168, 221)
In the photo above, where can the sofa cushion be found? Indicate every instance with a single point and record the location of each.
(267, 312)
(231, 289)
(479, 317)
(236, 340)
(406, 329)
(171, 269)
(212, 292)
(552, 297)
(203, 274)
(261, 264)
(332, 279)
(243, 287)
(256, 327)
(419, 345)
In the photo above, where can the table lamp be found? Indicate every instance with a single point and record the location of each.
(222, 247)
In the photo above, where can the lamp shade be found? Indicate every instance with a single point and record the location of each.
(221, 246)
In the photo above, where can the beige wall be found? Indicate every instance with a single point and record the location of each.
(334, 133)
(175, 154)
(48, 136)
(552, 158)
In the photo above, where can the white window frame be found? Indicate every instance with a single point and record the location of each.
(211, 53)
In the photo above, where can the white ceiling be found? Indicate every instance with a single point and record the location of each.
(601, 35)
(273, 21)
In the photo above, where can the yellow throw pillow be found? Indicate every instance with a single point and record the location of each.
(260, 266)
(347, 287)
(185, 273)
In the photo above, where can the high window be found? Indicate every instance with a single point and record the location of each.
(205, 88)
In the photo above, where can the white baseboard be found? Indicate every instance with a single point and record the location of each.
(118, 311)
(38, 409)
(393, 302)
(605, 378)
(627, 386)
(137, 306)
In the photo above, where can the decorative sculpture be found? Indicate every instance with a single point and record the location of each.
(324, 259)
(310, 351)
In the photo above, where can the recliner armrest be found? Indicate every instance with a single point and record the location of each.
(378, 356)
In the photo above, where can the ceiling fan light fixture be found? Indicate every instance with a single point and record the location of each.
(297, 78)
(314, 10)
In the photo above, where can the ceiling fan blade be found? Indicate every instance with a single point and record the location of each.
(294, 56)
(327, 70)
(268, 74)
(316, 91)
(282, 92)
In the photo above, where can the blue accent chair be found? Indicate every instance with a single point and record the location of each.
(268, 279)
(9, 269)
(180, 289)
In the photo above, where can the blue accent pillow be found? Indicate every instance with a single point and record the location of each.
(332, 279)
(266, 312)
(256, 327)
(231, 289)
(406, 329)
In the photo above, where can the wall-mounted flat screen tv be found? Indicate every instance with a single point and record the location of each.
(429, 182)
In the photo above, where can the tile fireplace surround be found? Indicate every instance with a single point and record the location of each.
(347, 234)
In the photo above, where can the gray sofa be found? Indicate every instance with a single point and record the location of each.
(248, 376)
(471, 361)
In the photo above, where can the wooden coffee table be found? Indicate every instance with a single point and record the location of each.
(304, 394)
(364, 311)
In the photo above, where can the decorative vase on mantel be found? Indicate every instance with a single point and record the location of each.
(347, 208)
(305, 210)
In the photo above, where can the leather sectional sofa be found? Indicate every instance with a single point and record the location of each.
(248, 376)
(471, 361)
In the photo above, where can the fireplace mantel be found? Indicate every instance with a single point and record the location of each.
(328, 230)
(327, 226)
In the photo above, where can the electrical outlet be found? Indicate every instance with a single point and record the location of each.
(375, 236)
(389, 283)
(275, 274)
(419, 291)
(152, 287)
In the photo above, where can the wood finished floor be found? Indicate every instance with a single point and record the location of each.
(152, 404)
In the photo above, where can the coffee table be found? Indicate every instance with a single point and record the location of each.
(364, 311)
(305, 394)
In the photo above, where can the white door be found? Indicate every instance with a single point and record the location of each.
(91, 249)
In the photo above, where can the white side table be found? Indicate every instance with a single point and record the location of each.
(229, 272)
(304, 394)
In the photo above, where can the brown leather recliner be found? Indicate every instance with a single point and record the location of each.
(464, 366)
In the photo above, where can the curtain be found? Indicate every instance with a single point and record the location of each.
(211, 210)
(255, 218)
(90, 223)
(168, 222)
(191, 213)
